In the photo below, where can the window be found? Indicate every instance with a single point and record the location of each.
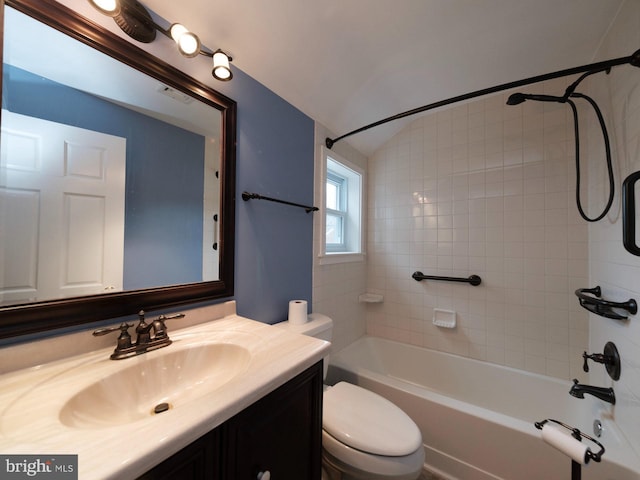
(343, 206)
(336, 210)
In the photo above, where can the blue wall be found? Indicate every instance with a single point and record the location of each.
(164, 184)
(274, 242)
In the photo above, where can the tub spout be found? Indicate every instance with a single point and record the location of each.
(578, 390)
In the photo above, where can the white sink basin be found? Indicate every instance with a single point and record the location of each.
(166, 381)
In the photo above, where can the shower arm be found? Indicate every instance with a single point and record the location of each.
(633, 60)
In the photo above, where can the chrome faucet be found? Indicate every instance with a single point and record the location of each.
(578, 390)
(125, 348)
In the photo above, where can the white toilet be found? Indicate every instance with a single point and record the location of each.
(364, 436)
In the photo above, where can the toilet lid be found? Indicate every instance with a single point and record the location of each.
(368, 422)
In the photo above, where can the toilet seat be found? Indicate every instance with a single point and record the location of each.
(368, 422)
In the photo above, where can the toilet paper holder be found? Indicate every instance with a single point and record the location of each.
(578, 435)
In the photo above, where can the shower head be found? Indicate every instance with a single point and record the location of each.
(518, 98)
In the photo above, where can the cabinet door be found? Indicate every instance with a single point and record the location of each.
(197, 461)
(281, 433)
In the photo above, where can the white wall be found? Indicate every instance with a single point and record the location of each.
(336, 287)
(611, 266)
(482, 188)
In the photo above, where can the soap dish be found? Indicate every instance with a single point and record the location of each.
(444, 318)
(370, 298)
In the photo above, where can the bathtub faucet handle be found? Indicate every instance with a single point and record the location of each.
(610, 359)
(596, 357)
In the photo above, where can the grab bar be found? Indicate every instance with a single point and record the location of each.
(248, 196)
(629, 214)
(604, 307)
(474, 280)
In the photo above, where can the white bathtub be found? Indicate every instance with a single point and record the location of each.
(477, 419)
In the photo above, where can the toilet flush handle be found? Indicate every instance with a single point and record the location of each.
(266, 475)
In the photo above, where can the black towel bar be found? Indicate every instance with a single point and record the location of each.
(604, 308)
(474, 280)
(248, 196)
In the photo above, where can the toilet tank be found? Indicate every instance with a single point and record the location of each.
(318, 326)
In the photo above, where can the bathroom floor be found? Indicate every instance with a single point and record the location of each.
(429, 476)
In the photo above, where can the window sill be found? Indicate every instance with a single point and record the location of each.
(333, 258)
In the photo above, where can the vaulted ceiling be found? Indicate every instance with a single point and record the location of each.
(348, 63)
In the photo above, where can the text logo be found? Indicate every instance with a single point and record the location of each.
(45, 467)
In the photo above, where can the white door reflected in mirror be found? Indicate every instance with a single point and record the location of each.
(62, 196)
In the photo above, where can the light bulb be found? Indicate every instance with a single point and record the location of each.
(177, 30)
(107, 7)
(188, 42)
(221, 69)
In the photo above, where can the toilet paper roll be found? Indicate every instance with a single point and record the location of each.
(297, 312)
(564, 442)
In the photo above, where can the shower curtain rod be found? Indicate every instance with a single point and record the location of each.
(633, 59)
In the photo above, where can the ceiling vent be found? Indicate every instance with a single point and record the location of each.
(175, 94)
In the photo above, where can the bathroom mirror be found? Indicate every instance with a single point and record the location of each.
(135, 208)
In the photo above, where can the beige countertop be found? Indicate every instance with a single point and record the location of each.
(31, 399)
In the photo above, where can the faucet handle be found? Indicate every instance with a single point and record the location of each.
(610, 358)
(171, 317)
(596, 357)
(159, 325)
(123, 327)
(124, 340)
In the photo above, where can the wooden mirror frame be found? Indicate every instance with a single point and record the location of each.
(42, 316)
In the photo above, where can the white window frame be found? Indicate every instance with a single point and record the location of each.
(353, 248)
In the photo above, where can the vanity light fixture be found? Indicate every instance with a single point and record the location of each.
(221, 70)
(136, 21)
(188, 42)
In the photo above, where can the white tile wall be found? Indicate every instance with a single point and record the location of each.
(482, 188)
(489, 189)
(336, 288)
(611, 266)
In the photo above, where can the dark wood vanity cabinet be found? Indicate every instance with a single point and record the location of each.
(280, 433)
(197, 461)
